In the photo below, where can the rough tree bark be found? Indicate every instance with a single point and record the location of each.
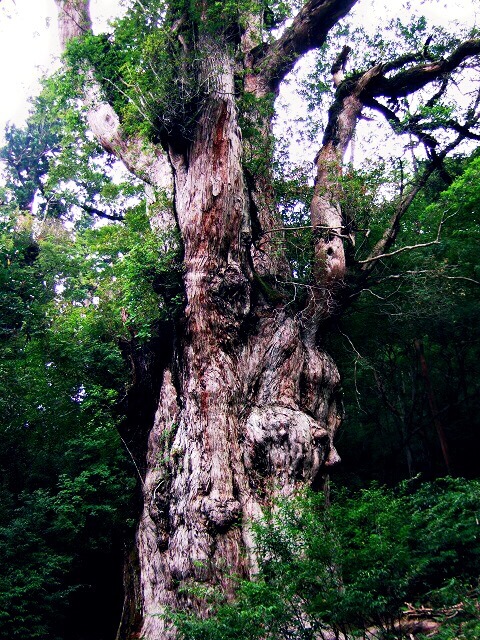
(246, 403)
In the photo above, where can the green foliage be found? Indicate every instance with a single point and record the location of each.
(134, 272)
(23, 290)
(149, 73)
(33, 591)
(67, 483)
(354, 564)
(460, 205)
(67, 303)
(151, 68)
(152, 86)
(53, 169)
(429, 294)
(27, 154)
(254, 112)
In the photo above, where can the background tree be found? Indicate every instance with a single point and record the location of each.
(416, 371)
(66, 484)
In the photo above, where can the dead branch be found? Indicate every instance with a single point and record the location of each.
(430, 612)
(390, 234)
(417, 272)
(339, 66)
(394, 253)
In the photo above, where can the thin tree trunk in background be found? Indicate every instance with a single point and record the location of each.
(433, 405)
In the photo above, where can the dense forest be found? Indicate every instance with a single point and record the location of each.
(240, 355)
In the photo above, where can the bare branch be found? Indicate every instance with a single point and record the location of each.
(410, 80)
(461, 278)
(101, 214)
(307, 226)
(390, 234)
(407, 248)
(418, 272)
(394, 253)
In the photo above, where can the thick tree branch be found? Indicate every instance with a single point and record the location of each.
(409, 126)
(338, 67)
(410, 80)
(463, 129)
(417, 272)
(308, 31)
(416, 127)
(144, 160)
(351, 96)
(73, 19)
(402, 84)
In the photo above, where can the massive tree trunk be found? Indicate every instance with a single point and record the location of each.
(247, 404)
(246, 410)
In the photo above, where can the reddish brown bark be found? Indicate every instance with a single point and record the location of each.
(247, 408)
(254, 409)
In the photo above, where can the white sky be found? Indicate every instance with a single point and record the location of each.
(29, 48)
(29, 43)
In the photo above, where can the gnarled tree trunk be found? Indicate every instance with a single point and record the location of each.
(247, 404)
(246, 410)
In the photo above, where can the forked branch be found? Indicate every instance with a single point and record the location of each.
(410, 80)
(406, 248)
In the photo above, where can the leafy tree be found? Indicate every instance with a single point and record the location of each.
(423, 349)
(67, 487)
(74, 309)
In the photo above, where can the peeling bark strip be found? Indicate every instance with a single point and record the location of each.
(247, 404)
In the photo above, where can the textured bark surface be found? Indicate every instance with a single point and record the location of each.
(250, 411)
(247, 404)
(237, 403)
(325, 211)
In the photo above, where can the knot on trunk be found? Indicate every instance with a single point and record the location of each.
(284, 443)
(230, 293)
(222, 513)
